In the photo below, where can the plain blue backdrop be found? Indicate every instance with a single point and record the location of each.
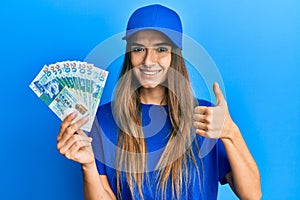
(255, 45)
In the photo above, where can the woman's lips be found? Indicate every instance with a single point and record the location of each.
(150, 72)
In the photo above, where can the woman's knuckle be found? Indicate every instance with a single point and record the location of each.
(195, 124)
(77, 143)
(207, 121)
(58, 147)
(209, 112)
(61, 151)
(62, 126)
(68, 155)
(69, 130)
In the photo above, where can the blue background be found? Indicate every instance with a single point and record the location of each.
(255, 45)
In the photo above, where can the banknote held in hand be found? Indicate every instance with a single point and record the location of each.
(71, 86)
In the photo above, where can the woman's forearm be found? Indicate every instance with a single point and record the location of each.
(95, 187)
(246, 178)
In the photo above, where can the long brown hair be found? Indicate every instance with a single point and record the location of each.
(132, 152)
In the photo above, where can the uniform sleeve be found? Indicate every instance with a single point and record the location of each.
(98, 147)
(223, 163)
(105, 139)
(100, 167)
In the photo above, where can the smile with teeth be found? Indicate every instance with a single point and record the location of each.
(150, 72)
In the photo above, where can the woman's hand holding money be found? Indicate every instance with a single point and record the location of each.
(73, 143)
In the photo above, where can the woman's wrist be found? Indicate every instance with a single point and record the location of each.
(88, 166)
(231, 132)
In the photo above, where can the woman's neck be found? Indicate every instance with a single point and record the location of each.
(155, 96)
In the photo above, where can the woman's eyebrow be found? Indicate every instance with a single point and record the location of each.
(136, 44)
(162, 44)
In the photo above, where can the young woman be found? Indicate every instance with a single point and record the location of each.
(149, 142)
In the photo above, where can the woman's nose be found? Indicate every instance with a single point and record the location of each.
(150, 57)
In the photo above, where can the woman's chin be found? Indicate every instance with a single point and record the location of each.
(149, 85)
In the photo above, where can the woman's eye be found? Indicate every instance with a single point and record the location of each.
(137, 49)
(162, 49)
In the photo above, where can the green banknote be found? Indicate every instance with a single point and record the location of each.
(70, 86)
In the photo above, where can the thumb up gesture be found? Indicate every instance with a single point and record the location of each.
(213, 122)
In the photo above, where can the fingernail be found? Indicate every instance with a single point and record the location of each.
(74, 113)
(86, 118)
(218, 87)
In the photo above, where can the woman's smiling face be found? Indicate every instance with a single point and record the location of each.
(150, 53)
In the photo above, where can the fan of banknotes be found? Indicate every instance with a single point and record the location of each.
(71, 86)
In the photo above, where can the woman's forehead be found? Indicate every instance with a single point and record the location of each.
(148, 37)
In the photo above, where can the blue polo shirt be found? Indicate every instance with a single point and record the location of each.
(210, 155)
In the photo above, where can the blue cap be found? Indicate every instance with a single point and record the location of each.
(159, 18)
